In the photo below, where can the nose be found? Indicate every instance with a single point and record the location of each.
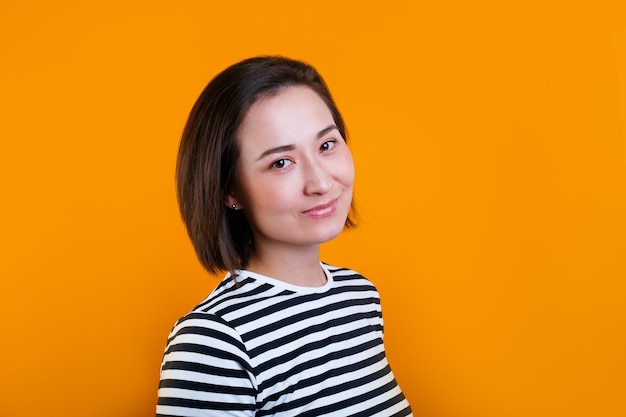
(317, 179)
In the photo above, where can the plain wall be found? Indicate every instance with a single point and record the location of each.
(491, 181)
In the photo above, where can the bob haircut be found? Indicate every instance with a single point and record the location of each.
(208, 154)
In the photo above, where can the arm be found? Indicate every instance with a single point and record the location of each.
(205, 371)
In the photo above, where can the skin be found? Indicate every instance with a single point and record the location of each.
(295, 179)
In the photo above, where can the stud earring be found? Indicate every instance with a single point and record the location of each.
(235, 206)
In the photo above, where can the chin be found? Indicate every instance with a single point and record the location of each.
(331, 233)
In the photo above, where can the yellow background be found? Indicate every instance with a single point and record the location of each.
(489, 139)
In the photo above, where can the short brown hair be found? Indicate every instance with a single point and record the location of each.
(208, 154)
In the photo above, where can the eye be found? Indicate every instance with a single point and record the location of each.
(281, 163)
(328, 145)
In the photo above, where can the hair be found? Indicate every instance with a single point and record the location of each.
(208, 154)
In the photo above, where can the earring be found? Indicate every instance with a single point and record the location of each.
(235, 206)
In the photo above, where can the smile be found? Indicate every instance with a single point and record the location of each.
(323, 210)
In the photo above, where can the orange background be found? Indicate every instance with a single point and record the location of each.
(489, 139)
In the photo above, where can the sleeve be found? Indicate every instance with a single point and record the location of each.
(378, 310)
(205, 371)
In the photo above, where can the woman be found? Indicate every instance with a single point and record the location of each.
(264, 177)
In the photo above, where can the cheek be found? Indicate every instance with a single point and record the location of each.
(268, 197)
(347, 173)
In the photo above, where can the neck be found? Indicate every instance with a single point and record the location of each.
(300, 266)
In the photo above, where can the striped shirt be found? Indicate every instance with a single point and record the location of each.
(263, 347)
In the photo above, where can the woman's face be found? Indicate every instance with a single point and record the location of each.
(295, 171)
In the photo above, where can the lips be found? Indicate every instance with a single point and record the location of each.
(323, 210)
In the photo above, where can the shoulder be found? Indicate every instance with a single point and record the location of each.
(204, 338)
(200, 328)
(349, 277)
(345, 274)
(204, 359)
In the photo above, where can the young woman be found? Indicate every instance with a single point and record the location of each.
(264, 177)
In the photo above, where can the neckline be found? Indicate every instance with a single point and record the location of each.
(291, 287)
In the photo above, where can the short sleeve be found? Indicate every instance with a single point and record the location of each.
(205, 371)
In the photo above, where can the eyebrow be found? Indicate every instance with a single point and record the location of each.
(291, 147)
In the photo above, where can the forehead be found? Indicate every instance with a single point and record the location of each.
(293, 114)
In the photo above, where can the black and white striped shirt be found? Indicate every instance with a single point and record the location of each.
(268, 348)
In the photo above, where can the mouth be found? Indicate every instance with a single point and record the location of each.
(322, 210)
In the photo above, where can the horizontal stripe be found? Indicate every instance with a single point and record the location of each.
(261, 349)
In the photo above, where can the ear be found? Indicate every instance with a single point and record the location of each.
(232, 202)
